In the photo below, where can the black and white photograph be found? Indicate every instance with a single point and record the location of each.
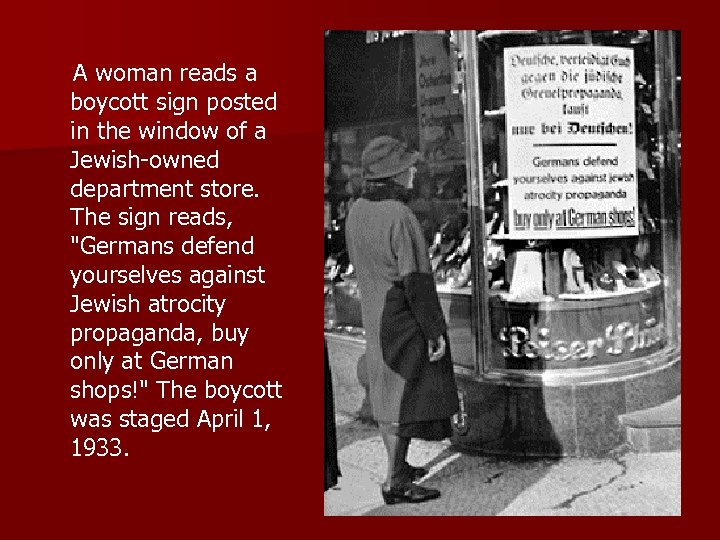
(502, 242)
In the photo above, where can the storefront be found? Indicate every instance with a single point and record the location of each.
(550, 198)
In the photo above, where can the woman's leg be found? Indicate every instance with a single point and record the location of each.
(397, 449)
(399, 486)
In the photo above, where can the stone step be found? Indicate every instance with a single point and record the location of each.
(656, 429)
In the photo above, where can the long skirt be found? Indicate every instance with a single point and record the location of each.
(332, 470)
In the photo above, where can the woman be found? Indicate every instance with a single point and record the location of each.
(410, 374)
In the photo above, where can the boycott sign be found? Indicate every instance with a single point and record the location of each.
(570, 118)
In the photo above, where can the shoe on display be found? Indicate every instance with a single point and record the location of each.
(606, 281)
(463, 277)
(572, 266)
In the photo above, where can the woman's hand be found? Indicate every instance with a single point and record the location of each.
(436, 349)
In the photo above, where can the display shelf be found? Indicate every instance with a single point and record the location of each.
(447, 289)
(591, 302)
(510, 298)
(350, 284)
(600, 294)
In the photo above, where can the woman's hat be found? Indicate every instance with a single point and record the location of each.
(385, 157)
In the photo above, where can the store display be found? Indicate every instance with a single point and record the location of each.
(594, 275)
(451, 247)
(581, 274)
(557, 278)
(337, 259)
(563, 279)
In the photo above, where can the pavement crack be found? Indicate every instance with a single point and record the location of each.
(492, 477)
(567, 503)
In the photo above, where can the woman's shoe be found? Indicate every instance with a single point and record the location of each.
(416, 473)
(411, 493)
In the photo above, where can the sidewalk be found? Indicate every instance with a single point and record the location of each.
(473, 485)
(629, 484)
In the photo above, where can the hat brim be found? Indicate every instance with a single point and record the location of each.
(408, 160)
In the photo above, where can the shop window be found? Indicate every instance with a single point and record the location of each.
(578, 229)
(542, 264)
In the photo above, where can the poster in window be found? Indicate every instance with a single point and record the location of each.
(570, 119)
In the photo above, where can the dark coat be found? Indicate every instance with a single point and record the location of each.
(332, 470)
(412, 316)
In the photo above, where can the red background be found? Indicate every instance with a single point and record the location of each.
(191, 484)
